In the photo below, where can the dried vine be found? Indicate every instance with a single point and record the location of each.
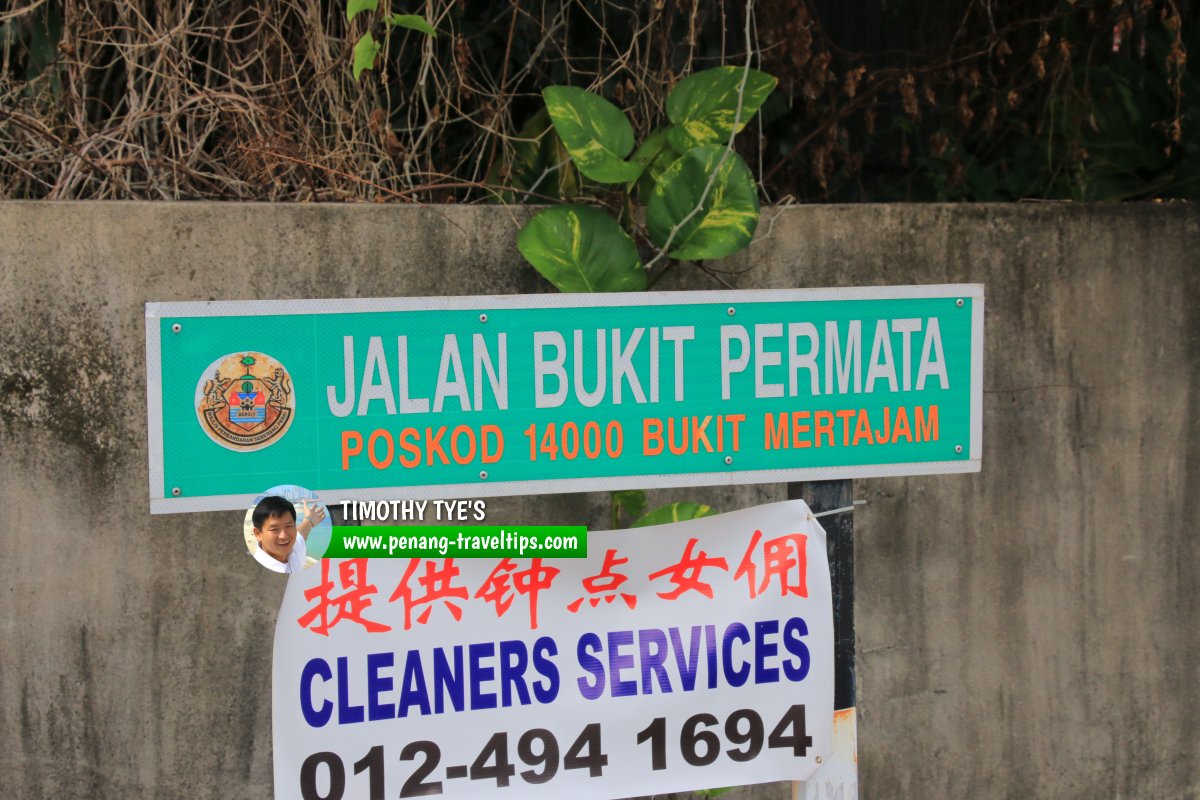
(231, 100)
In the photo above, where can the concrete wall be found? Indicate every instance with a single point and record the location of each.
(1030, 631)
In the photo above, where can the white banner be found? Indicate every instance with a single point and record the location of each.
(673, 658)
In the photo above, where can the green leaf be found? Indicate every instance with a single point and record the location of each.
(45, 32)
(595, 132)
(655, 155)
(365, 51)
(631, 501)
(726, 221)
(353, 7)
(649, 150)
(674, 512)
(414, 22)
(582, 249)
(539, 162)
(703, 106)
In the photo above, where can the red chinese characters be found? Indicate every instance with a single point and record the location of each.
(436, 582)
(604, 585)
(783, 559)
(350, 605)
(497, 589)
(686, 574)
(345, 594)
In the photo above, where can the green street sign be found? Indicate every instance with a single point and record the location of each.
(484, 396)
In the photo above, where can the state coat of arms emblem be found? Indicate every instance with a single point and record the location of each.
(244, 401)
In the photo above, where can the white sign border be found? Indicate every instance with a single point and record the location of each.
(161, 504)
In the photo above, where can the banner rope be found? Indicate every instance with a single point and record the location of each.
(839, 510)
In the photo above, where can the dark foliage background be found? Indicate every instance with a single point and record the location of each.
(878, 100)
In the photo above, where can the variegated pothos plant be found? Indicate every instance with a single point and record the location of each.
(701, 200)
(366, 48)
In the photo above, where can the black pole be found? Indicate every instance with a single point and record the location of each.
(839, 530)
